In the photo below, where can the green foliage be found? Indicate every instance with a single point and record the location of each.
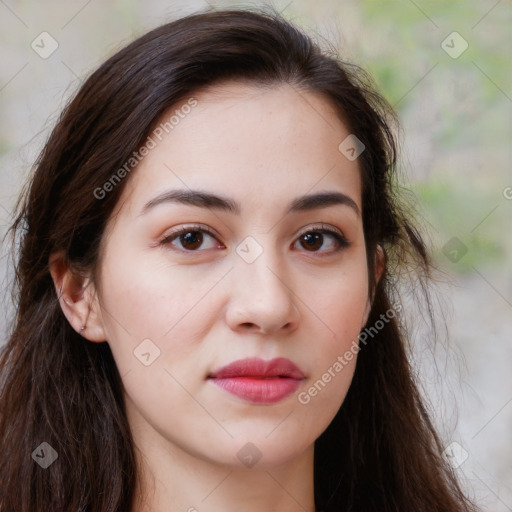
(462, 109)
(476, 218)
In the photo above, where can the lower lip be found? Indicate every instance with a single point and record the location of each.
(260, 391)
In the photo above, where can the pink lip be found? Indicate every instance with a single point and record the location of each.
(259, 381)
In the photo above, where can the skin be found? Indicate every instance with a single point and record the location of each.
(206, 307)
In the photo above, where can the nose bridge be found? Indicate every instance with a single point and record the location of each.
(262, 295)
(266, 275)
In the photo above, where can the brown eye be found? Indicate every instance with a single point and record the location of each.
(314, 240)
(191, 239)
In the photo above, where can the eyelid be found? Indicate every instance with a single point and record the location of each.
(325, 229)
(185, 228)
(322, 227)
(340, 237)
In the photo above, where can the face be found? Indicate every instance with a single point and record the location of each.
(255, 267)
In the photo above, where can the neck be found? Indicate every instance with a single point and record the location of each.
(170, 479)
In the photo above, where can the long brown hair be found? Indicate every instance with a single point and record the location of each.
(380, 453)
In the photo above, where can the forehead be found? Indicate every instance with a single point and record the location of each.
(258, 144)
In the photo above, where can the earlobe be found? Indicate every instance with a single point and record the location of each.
(77, 299)
(380, 266)
(380, 263)
(366, 313)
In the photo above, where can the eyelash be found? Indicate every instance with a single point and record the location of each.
(339, 237)
(187, 229)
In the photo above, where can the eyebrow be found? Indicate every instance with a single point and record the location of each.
(208, 200)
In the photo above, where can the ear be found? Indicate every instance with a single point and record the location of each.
(379, 267)
(78, 299)
(380, 263)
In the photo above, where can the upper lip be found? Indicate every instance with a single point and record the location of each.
(256, 367)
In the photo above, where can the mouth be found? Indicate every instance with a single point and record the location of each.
(257, 381)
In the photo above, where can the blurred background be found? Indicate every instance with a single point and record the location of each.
(445, 67)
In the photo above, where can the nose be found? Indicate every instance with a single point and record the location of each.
(262, 298)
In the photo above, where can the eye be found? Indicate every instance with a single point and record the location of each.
(330, 240)
(197, 238)
(191, 238)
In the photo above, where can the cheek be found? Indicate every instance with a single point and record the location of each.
(148, 295)
(340, 305)
(169, 305)
(342, 301)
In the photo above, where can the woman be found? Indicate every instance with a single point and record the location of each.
(207, 315)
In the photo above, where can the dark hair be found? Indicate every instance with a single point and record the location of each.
(381, 451)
